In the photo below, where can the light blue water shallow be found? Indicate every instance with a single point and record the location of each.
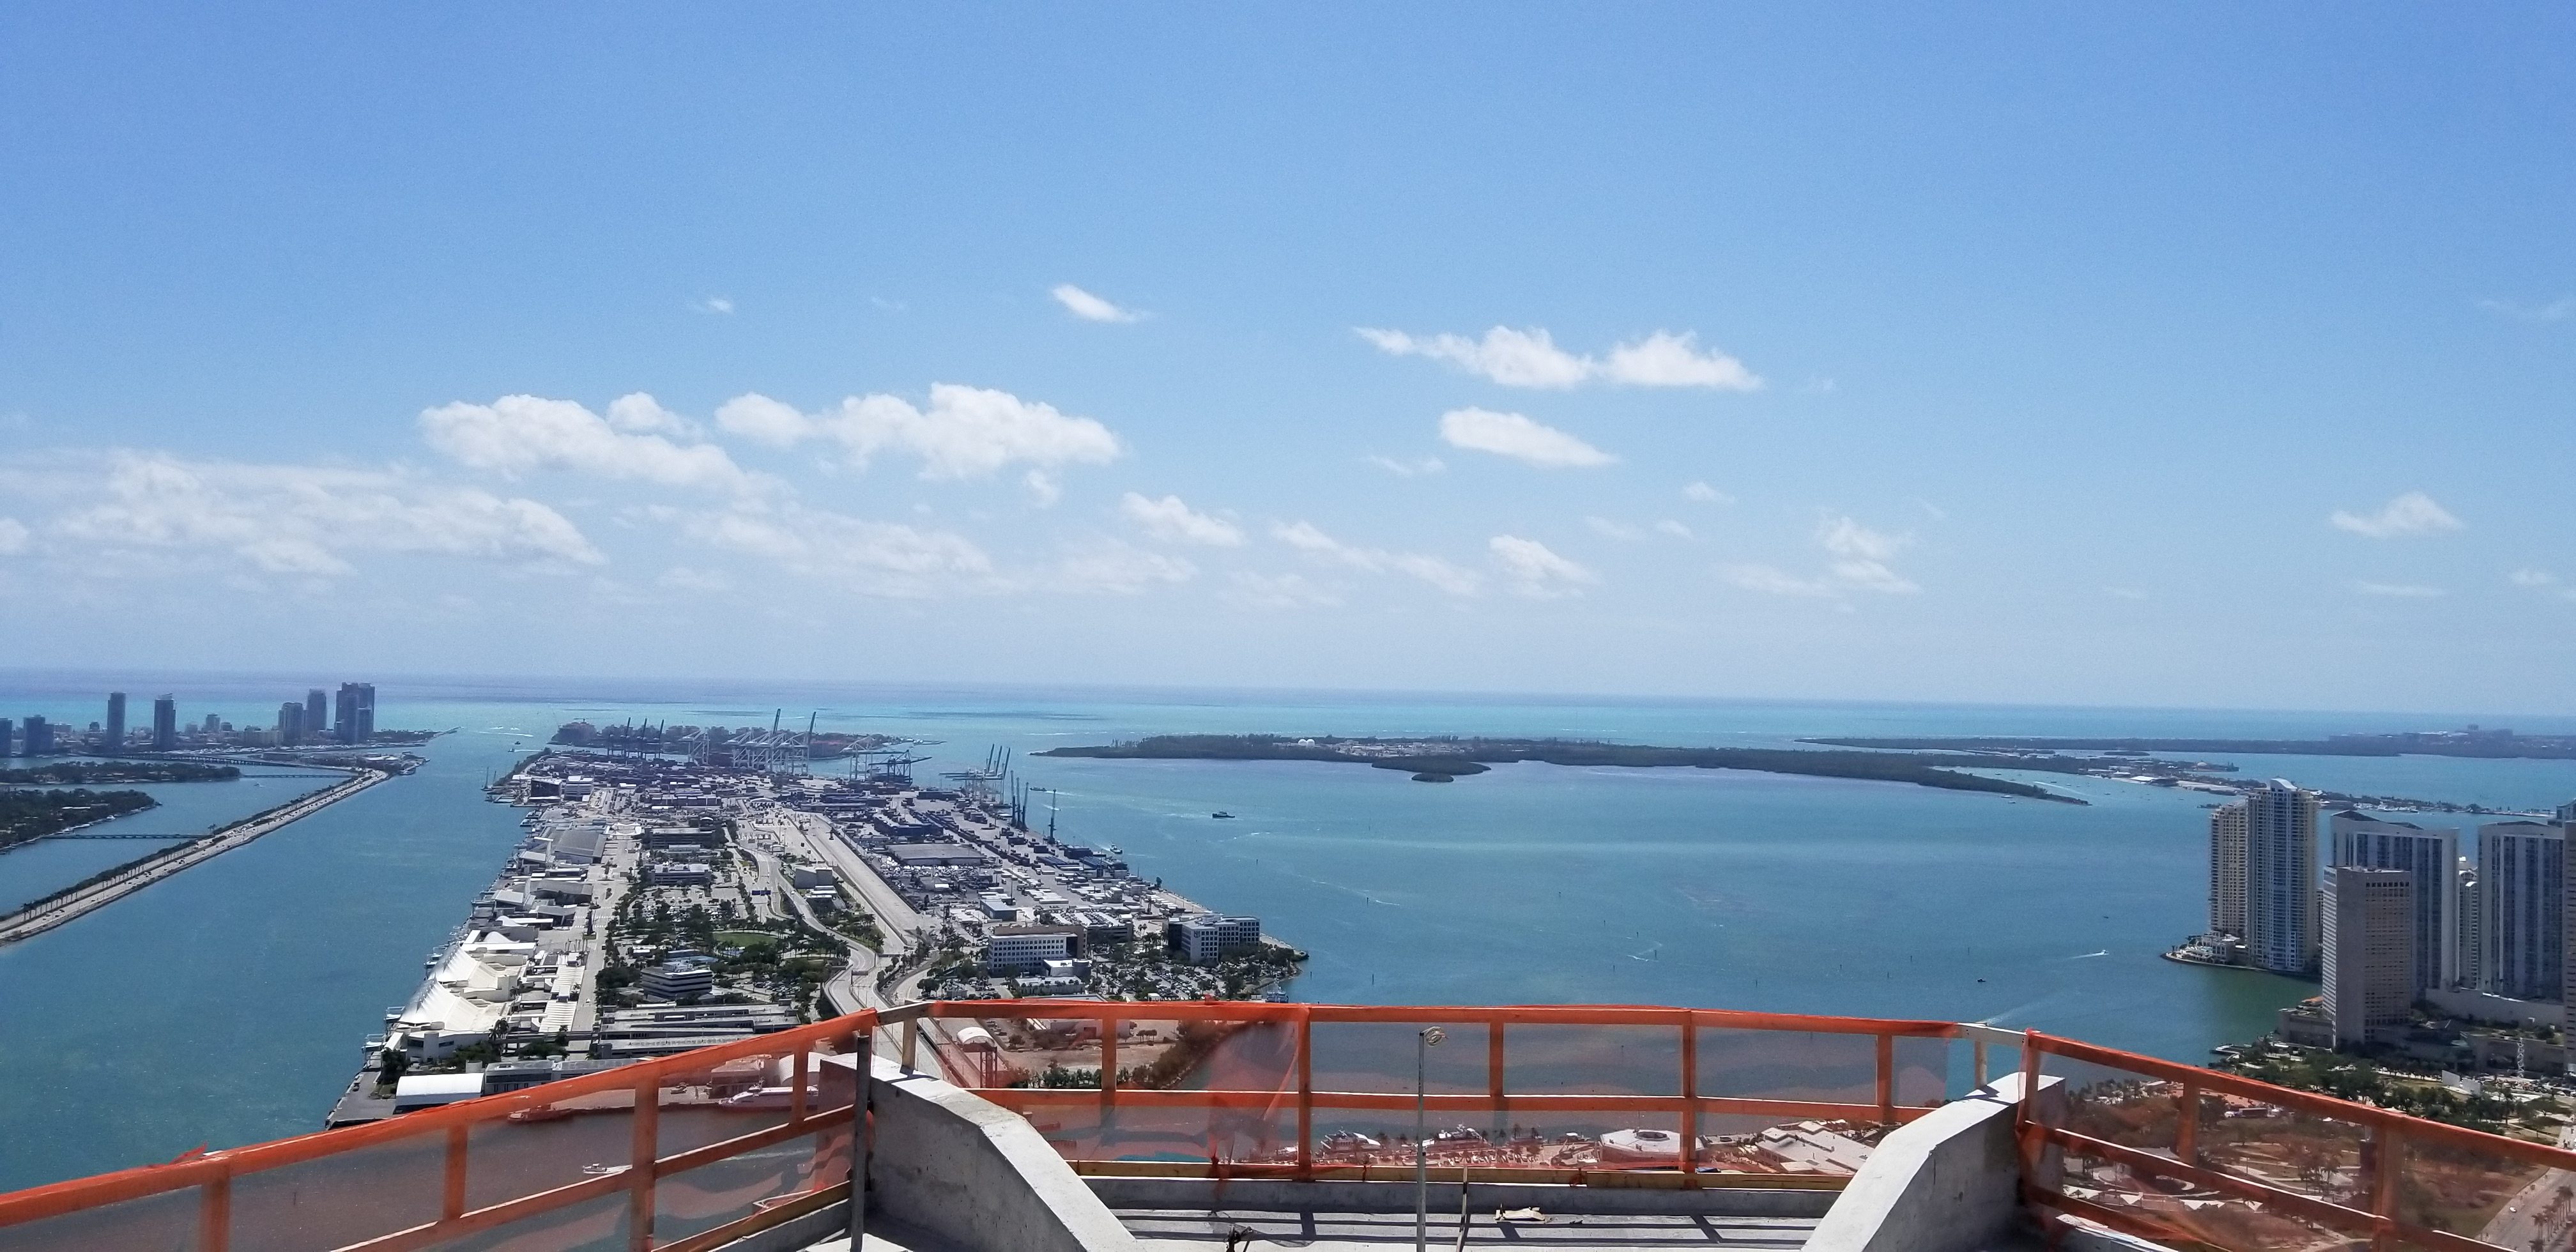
(225, 1006)
(30, 870)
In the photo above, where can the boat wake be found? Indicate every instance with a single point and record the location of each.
(2090, 955)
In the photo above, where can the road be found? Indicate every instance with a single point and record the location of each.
(2537, 1218)
(810, 835)
(52, 913)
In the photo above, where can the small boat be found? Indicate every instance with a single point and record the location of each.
(1221, 813)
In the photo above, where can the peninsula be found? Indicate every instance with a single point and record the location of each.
(2468, 742)
(1443, 759)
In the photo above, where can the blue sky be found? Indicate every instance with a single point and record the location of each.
(2170, 354)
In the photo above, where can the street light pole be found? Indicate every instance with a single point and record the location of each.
(1429, 1038)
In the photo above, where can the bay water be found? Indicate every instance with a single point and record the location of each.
(226, 1005)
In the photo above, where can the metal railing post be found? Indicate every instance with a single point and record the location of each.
(2387, 1157)
(1690, 1101)
(2027, 1126)
(215, 1213)
(644, 1142)
(859, 1136)
(1887, 1079)
(911, 1043)
(1305, 1094)
(2187, 1128)
(451, 1204)
(1494, 1072)
(1978, 1049)
(1108, 1060)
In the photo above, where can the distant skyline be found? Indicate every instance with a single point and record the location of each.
(2194, 356)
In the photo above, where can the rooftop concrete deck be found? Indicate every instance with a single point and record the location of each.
(1378, 1232)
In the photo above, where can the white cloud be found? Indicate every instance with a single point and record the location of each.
(1861, 556)
(1044, 490)
(1857, 560)
(1664, 359)
(13, 536)
(2403, 591)
(1517, 437)
(1849, 539)
(683, 578)
(1408, 469)
(1702, 493)
(714, 304)
(1530, 358)
(1608, 529)
(1171, 520)
(2557, 310)
(1088, 307)
(1771, 581)
(1514, 358)
(1305, 537)
(873, 558)
(1532, 569)
(517, 435)
(2413, 513)
(299, 519)
(1675, 529)
(641, 414)
(1433, 570)
(966, 432)
(1118, 568)
(2535, 579)
(1277, 591)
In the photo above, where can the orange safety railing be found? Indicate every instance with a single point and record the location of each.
(2203, 1159)
(681, 1153)
(1537, 1093)
(687, 1152)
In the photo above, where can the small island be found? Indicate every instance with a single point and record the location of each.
(31, 815)
(83, 773)
(1444, 759)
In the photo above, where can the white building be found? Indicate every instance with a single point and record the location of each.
(673, 980)
(2465, 939)
(2430, 859)
(2370, 950)
(2521, 905)
(1013, 948)
(2227, 869)
(2281, 925)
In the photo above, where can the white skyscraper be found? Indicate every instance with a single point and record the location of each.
(2521, 909)
(2465, 938)
(2227, 869)
(2281, 925)
(2430, 858)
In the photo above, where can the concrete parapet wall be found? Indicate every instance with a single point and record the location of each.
(1949, 1181)
(975, 1174)
(1272, 1195)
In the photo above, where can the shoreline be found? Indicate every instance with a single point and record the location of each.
(30, 921)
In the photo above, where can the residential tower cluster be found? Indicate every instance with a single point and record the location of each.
(2424, 952)
(317, 718)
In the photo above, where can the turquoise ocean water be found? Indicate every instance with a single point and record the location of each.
(226, 1005)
